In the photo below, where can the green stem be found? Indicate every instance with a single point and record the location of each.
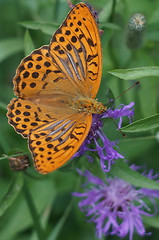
(56, 231)
(113, 10)
(111, 51)
(13, 155)
(33, 212)
(110, 46)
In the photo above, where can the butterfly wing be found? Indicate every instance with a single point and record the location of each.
(76, 49)
(71, 64)
(54, 136)
(26, 115)
(38, 75)
(56, 142)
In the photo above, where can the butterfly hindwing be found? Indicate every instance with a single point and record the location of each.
(55, 143)
(24, 116)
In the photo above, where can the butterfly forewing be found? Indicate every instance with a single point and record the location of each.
(37, 74)
(76, 49)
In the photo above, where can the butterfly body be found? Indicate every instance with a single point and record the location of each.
(56, 86)
(88, 105)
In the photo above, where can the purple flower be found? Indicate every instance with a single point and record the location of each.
(107, 152)
(115, 206)
(94, 13)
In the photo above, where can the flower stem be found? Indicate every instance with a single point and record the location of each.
(33, 212)
(56, 231)
(110, 46)
(113, 10)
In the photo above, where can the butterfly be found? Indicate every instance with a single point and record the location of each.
(56, 86)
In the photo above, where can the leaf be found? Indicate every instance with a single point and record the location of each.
(9, 47)
(33, 211)
(57, 229)
(11, 194)
(48, 28)
(135, 73)
(151, 221)
(144, 124)
(17, 218)
(28, 43)
(94, 166)
(111, 26)
(122, 170)
(105, 13)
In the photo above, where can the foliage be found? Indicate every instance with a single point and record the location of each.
(31, 203)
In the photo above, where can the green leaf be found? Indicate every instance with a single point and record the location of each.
(48, 28)
(105, 13)
(95, 167)
(9, 47)
(11, 194)
(18, 218)
(151, 221)
(122, 170)
(144, 124)
(58, 228)
(135, 73)
(111, 26)
(33, 211)
(28, 43)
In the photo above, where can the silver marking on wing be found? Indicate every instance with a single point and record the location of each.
(60, 128)
(54, 125)
(79, 62)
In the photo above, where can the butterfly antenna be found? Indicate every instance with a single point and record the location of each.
(115, 99)
(116, 125)
(127, 89)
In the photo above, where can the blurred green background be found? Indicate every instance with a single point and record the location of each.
(28, 24)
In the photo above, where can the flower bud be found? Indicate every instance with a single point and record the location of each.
(135, 31)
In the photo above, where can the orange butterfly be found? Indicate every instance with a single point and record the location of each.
(56, 86)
